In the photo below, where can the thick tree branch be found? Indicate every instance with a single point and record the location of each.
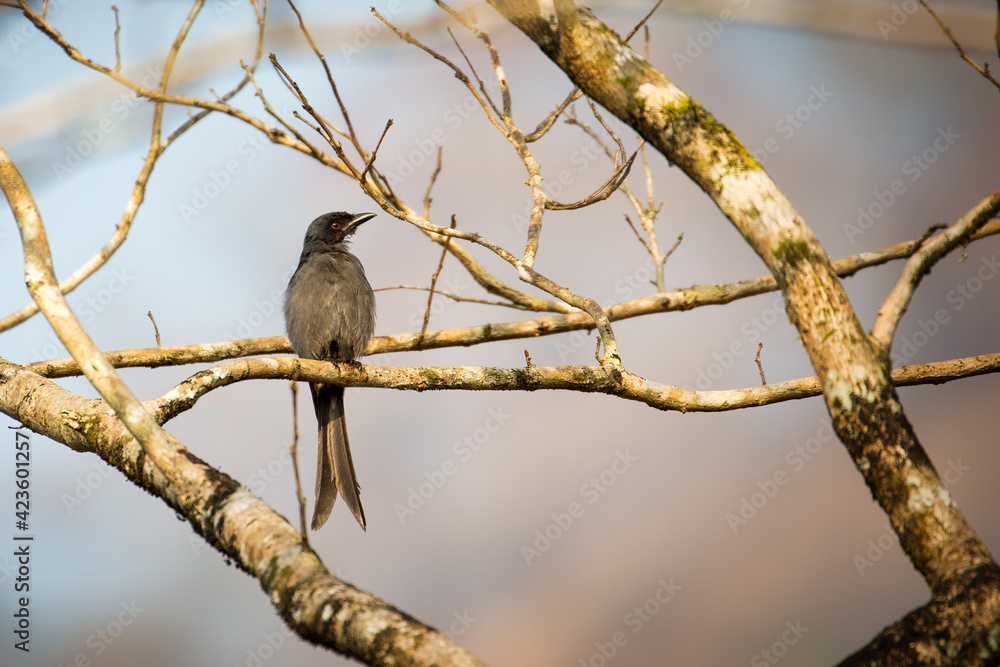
(853, 369)
(318, 606)
(44, 288)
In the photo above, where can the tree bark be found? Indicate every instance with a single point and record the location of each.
(960, 623)
(319, 607)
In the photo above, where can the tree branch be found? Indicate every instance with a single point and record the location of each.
(316, 605)
(853, 369)
(923, 260)
(674, 300)
(587, 379)
(157, 147)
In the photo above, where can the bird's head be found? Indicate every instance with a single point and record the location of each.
(332, 228)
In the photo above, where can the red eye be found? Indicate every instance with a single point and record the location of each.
(335, 225)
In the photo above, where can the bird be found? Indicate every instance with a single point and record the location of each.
(330, 316)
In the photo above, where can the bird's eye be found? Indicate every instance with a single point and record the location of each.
(334, 225)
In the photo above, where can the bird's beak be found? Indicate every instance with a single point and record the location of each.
(360, 218)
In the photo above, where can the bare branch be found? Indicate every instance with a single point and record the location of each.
(680, 299)
(371, 160)
(641, 23)
(482, 86)
(550, 120)
(156, 149)
(587, 379)
(430, 185)
(984, 70)
(294, 450)
(857, 385)
(643, 241)
(760, 367)
(494, 60)
(459, 74)
(434, 278)
(923, 260)
(606, 190)
(333, 86)
(453, 297)
(41, 281)
(156, 329)
(326, 129)
(118, 29)
(258, 54)
(318, 606)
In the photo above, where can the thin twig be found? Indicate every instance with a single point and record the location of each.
(158, 96)
(371, 160)
(312, 150)
(550, 120)
(606, 190)
(760, 366)
(459, 74)
(680, 237)
(434, 278)
(643, 241)
(643, 21)
(299, 496)
(258, 54)
(326, 128)
(156, 329)
(118, 29)
(618, 142)
(430, 185)
(351, 134)
(479, 80)
(453, 297)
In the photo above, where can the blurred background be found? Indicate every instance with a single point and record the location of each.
(687, 549)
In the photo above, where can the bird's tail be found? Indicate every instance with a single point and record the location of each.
(334, 468)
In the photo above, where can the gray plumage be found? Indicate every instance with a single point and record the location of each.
(330, 315)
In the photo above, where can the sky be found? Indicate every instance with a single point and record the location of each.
(575, 529)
